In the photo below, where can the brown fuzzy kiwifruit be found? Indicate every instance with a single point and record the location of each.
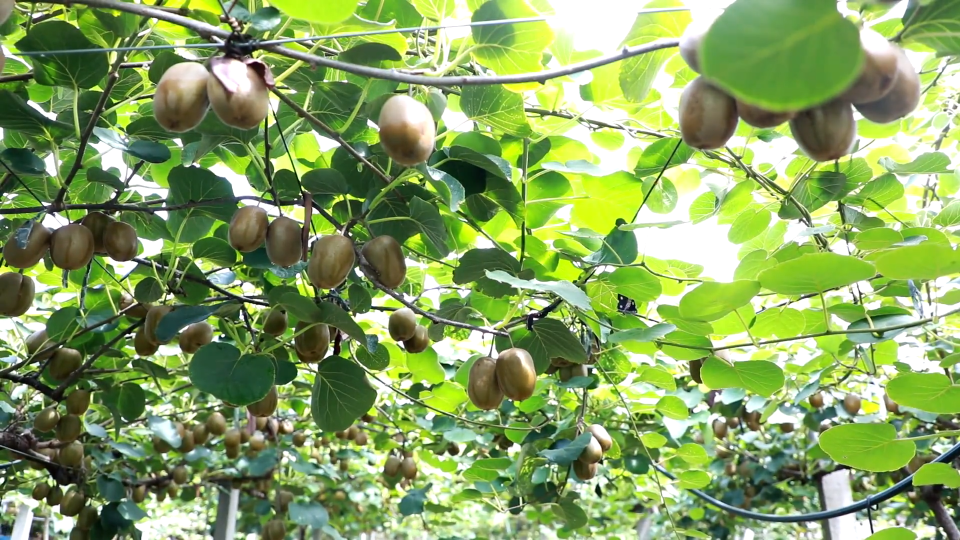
(827, 132)
(571, 372)
(879, 72)
(284, 242)
(282, 501)
(138, 493)
(72, 503)
(187, 444)
(419, 342)
(78, 401)
(180, 102)
(216, 424)
(752, 419)
(154, 315)
(361, 439)
(482, 386)
(97, 223)
(38, 242)
(276, 322)
(516, 374)
(851, 404)
(331, 261)
(407, 131)
(695, 367)
(195, 336)
(585, 471)
(392, 467)
(71, 247)
(708, 116)
(312, 341)
(40, 491)
(719, 429)
(690, 42)
(180, 474)
(46, 420)
(257, 442)
(266, 406)
(901, 100)
(68, 428)
(232, 437)
(892, 406)
(55, 496)
(275, 529)
(16, 294)
(261, 423)
(762, 118)
(299, 439)
(285, 427)
(63, 363)
(87, 518)
(37, 342)
(200, 434)
(816, 400)
(6, 9)
(248, 228)
(733, 422)
(592, 453)
(402, 324)
(238, 93)
(408, 468)
(602, 436)
(787, 427)
(352, 432)
(120, 241)
(384, 255)
(132, 308)
(143, 345)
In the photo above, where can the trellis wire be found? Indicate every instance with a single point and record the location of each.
(472, 24)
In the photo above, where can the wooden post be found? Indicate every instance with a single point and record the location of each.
(226, 524)
(21, 528)
(835, 492)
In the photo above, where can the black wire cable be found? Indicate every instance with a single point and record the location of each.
(866, 504)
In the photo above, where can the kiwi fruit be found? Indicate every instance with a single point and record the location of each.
(786, 427)
(266, 406)
(286, 427)
(516, 374)
(46, 420)
(891, 405)
(719, 429)
(299, 439)
(71, 455)
(851, 404)
(879, 72)
(482, 386)
(232, 437)
(72, 503)
(180, 101)
(40, 491)
(816, 400)
(361, 439)
(352, 432)
(179, 474)
(827, 132)
(71, 247)
(172, 489)
(762, 118)
(708, 116)
(407, 131)
(261, 423)
(200, 434)
(16, 294)
(257, 442)
(6, 9)
(39, 341)
(216, 424)
(419, 342)
(392, 467)
(136, 310)
(195, 336)
(276, 322)
(695, 367)
(120, 241)
(248, 229)
(55, 496)
(238, 93)
(284, 242)
(78, 402)
(187, 444)
(402, 324)
(733, 422)
(901, 100)
(592, 453)
(570, 372)
(384, 255)
(154, 315)
(68, 429)
(87, 518)
(690, 42)
(97, 223)
(331, 261)
(142, 344)
(63, 363)
(585, 471)
(602, 436)
(282, 501)
(38, 242)
(274, 529)
(408, 468)
(312, 341)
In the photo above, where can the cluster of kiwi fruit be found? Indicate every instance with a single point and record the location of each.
(887, 89)
(66, 428)
(238, 91)
(249, 229)
(511, 374)
(403, 328)
(588, 461)
(404, 466)
(145, 340)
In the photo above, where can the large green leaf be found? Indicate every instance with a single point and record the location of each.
(930, 392)
(510, 48)
(193, 184)
(328, 11)
(496, 107)
(70, 70)
(16, 115)
(758, 376)
(638, 73)
(711, 300)
(341, 394)
(550, 338)
(868, 447)
(931, 474)
(893, 533)
(923, 261)
(935, 24)
(564, 289)
(815, 273)
(131, 402)
(220, 370)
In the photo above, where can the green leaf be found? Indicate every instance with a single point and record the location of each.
(63, 324)
(711, 300)
(812, 192)
(435, 10)
(619, 247)
(572, 515)
(934, 24)
(796, 54)
(376, 360)
(749, 224)
(449, 188)
(309, 515)
(341, 394)
(564, 289)
(673, 407)
(868, 447)
(693, 479)
(815, 273)
(638, 73)
(110, 489)
(758, 376)
(930, 392)
(550, 338)
(655, 156)
(328, 11)
(16, 115)
(178, 319)
(894, 533)
(929, 163)
(326, 312)
(432, 229)
(70, 70)
(218, 369)
(653, 333)
(131, 401)
(193, 184)
(921, 262)
(509, 48)
(263, 20)
(286, 372)
(129, 510)
(412, 503)
(425, 366)
(23, 161)
(325, 182)
(165, 430)
(496, 107)
(879, 321)
(216, 251)
(569, 452)
(931, 474)
(148, 290)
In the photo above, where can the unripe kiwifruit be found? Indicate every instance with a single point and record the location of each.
(261, 423)
(180, 102)
(238, 93)
(482, 386)
(816, 400)
(200, 434)
(120, 241)
(407, 131)
(851, 404)
(55, 496)
(68, 428)
(160, 446)
(408, 468)
(97, 223)
(274, 529)
(195, 336)
(299, 439)
(516, 374)
(39, 341)
(901, 100)
(154, 315)
(136, 310)
(187, 443)
(71, 247)
(402, 324)
(352, 432)
(787, 427)
(719, 429)
(419, 342)
(733, 422)
(276, 322)
(78, 401)
(585, 471)
(40, 491)
(172, 489)
(87, 518)
(879, 72)
(312, 341)
(570, 372)
(64, 362)
(72, 503)
(179, 474)
(602, 436)
(37, 244)
(332, 260)
(826, 132)
(284, 242)
(384, 255)
(592, 453)
(266, 406)
(762, 118)
(71, 455)
(232, 437)
(344, 465)
(257, 442)
(143, 345)
(361, 438)
(160, 495)
(892, 406)
(690, 42)
(248, 228)
(708, 116)
(392, 467)
(282, 500)
(46, 420)
(16, 294)
(216, 424)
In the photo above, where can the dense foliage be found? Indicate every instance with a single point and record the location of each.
(456, 320)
